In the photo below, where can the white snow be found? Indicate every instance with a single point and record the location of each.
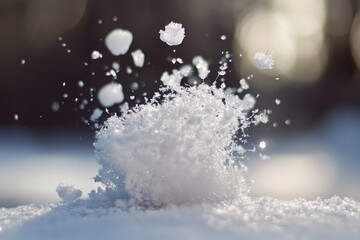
(243, 84)
(171, 79)
(202, 66)
(138, 57)
(96, 114)
(110, 94)
(173, 34)
(68, 193)
(55, 106)
(264, 60)
(277, 101)
(96, 54)
(118, 41)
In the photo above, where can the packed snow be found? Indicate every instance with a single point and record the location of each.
(173, 34)
(264, 60)
(118, 41)
(138, 58)
(110, 94)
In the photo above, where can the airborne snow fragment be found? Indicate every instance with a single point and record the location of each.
(96, 114)
(110, 94)
(68, 193)
(173, 34)
(186, 70)
(264, 60)
(138, 57)
(118, 41)
(202, 66)
(96, 55)
(171, 79)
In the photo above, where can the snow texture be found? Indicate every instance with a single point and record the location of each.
(264, 60)
(110, 94)
(138, 57)
(243, 218)
(173, 34)
(118, 41)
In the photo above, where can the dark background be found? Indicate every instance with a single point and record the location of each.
(30, 30)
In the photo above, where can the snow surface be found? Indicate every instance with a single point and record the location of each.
(243, 218)
(110, 94)
(118, 41)
(173, 34)
(264, 60)
(138, 57)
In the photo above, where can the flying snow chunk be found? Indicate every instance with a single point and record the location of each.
(118, 41)
(96, 55)
(110, 94)
(171, 79)
(202, 66)
(138, 57)
(96, 114)
(264, 60)
(173, 34)
(68, 193)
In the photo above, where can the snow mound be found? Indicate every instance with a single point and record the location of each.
(177, 152)
(110, 94)
(173, 34)
(118, 41)
(264, 60)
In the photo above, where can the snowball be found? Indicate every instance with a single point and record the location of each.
(202, 66)
(110, 94)
(68, 193)
(264, 60)
(173, 34)
(138, 57)
(118, 41)
(176, 152)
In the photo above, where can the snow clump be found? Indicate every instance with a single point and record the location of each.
(179, 151)
(264, 60)
(202, 66)
(110, 94)
(118, 41)
(173, 34)
(68, 193)
(138, 57)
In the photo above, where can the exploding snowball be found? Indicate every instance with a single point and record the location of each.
(138, 57)
(118, 41)
(202, 66)
(180, 151)
(173, 34)
(264, 60)
(110, 94)
(68, 193)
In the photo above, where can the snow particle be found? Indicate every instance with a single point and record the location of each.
(138, 57)
(23, 61)
(55, 106)
(110, 94)
(243, 84)
(96, 55)
(16, 117)
(262, 144)
(264, 60)
(277, 101)
(288, 122)
(202, 66)
(223, 37)
(118, 41)
(80, 84)
(96, 114)
(173, 34)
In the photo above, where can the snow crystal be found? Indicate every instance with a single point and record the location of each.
(138, 57)
(173, 34)
(264, 60)
(68, 193)
(96, 55)
(96, 114)
(110, 94)
(118, 41)
(202, 66)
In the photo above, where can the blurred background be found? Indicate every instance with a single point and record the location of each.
(47, 78)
